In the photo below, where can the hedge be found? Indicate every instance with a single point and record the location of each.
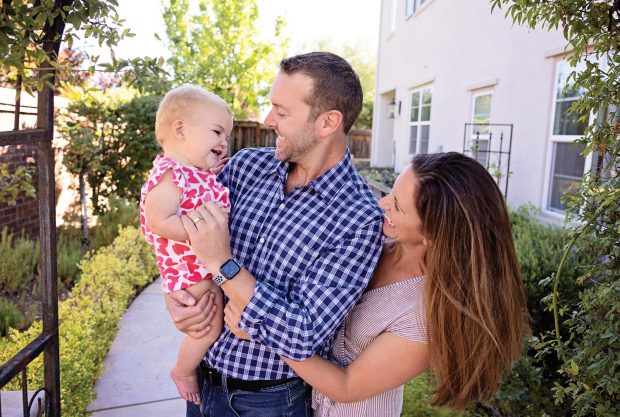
(89, 319)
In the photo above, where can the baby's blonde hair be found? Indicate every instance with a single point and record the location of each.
(179, 103)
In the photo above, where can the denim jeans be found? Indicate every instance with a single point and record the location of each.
(291, 399)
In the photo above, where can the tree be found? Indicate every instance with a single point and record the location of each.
(23, 23)
(219, 47)
(586, 339)
(363, 60)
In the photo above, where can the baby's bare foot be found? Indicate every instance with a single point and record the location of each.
(187, 385)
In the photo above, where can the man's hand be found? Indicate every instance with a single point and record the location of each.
(207, 228)
(191, 317)
(219, 166)
(232, 317)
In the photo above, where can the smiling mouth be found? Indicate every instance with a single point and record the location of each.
(389, 221)
(217, 152)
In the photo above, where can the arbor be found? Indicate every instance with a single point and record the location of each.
(218, 47)
(586, 339)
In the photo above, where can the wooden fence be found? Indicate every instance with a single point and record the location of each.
(248, 134)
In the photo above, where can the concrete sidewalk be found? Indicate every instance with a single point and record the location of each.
(136, 379)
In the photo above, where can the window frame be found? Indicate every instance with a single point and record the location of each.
(419, 123)
(482, 136)
(554, 139)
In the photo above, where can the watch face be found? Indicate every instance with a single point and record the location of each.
(230, 269)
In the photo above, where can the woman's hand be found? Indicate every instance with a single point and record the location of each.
(232, 317)
(191, 317)
(207, 228)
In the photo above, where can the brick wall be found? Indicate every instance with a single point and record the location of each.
(24, 216)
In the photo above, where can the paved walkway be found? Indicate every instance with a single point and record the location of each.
(136, 380)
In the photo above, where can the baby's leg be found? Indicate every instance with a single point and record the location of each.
(193, 350)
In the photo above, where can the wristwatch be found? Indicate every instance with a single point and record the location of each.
(228, 270)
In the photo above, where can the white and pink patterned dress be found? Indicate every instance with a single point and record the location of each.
(176, 261)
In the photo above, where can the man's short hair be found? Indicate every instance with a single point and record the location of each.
(336, 85)
(180, 103)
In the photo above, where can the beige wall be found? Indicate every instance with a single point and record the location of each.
(458, 47)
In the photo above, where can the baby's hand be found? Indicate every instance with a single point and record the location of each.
(219, 166)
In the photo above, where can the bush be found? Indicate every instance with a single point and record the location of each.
(417, 398)
(89, 318)
(539, 250)
(69, 254)
(121, 213)
(18, 262)
(10, 316)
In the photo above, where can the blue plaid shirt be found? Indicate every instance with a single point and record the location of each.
(312, 253)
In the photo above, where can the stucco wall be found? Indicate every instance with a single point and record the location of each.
(457, 48)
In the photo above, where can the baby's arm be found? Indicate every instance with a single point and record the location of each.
(160, 209)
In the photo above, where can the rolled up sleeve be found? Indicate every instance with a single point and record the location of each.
(295, 323)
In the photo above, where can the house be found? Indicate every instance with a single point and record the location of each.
(452, 76)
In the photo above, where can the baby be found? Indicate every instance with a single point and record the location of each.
(192, 126)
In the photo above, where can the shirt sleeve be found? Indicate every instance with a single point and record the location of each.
(411, 325)
(296, 323)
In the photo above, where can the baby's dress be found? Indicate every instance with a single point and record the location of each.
(177, 263)
(397, 308)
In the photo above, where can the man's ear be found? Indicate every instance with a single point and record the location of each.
(177, 129)
(329, 122)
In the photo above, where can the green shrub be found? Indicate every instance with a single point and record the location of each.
(417, 398)
(69, 254)
(10, 316)
(539, 250)
(18, 262)
(121, 213)
(89, 317)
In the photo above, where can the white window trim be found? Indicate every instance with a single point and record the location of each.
(551, 141)
(484, 136)
(417, 8)
(473, 109)
(418, 123)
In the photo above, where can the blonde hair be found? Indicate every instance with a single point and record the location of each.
(179, 103)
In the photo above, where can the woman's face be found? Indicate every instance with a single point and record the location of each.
(402, 222)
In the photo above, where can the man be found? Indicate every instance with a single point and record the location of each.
(305, 232)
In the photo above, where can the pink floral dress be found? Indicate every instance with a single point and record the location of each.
(176, 261)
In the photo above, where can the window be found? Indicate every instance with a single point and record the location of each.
(480, 132)
(420, 120)
(567, 165)
(412, 6)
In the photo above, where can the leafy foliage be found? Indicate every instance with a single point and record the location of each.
(15, 184)
(585, 338)
(89, 319)
(24, 24)
(18, 261)
(218, 47)
(10, 316)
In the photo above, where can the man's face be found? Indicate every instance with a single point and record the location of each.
(289, 116)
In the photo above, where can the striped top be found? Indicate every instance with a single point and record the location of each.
(397, 308)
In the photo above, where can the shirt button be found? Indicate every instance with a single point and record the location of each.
(261, 240)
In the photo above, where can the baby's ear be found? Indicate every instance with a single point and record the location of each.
(177, 129)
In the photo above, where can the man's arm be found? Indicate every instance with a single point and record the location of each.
(293, 323)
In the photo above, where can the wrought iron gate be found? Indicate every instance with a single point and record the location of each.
(47, 342)
(487, 143)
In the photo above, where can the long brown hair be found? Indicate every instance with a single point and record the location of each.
(476, 309)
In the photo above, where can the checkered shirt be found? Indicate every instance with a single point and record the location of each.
(312, 253)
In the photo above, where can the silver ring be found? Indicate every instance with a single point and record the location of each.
(197, 219)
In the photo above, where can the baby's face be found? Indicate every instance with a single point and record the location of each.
(206, 134)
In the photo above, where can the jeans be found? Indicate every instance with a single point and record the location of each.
(291, 399)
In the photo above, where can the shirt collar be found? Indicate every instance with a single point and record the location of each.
(326, 185)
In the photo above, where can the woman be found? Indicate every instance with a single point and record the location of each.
(446, 295)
